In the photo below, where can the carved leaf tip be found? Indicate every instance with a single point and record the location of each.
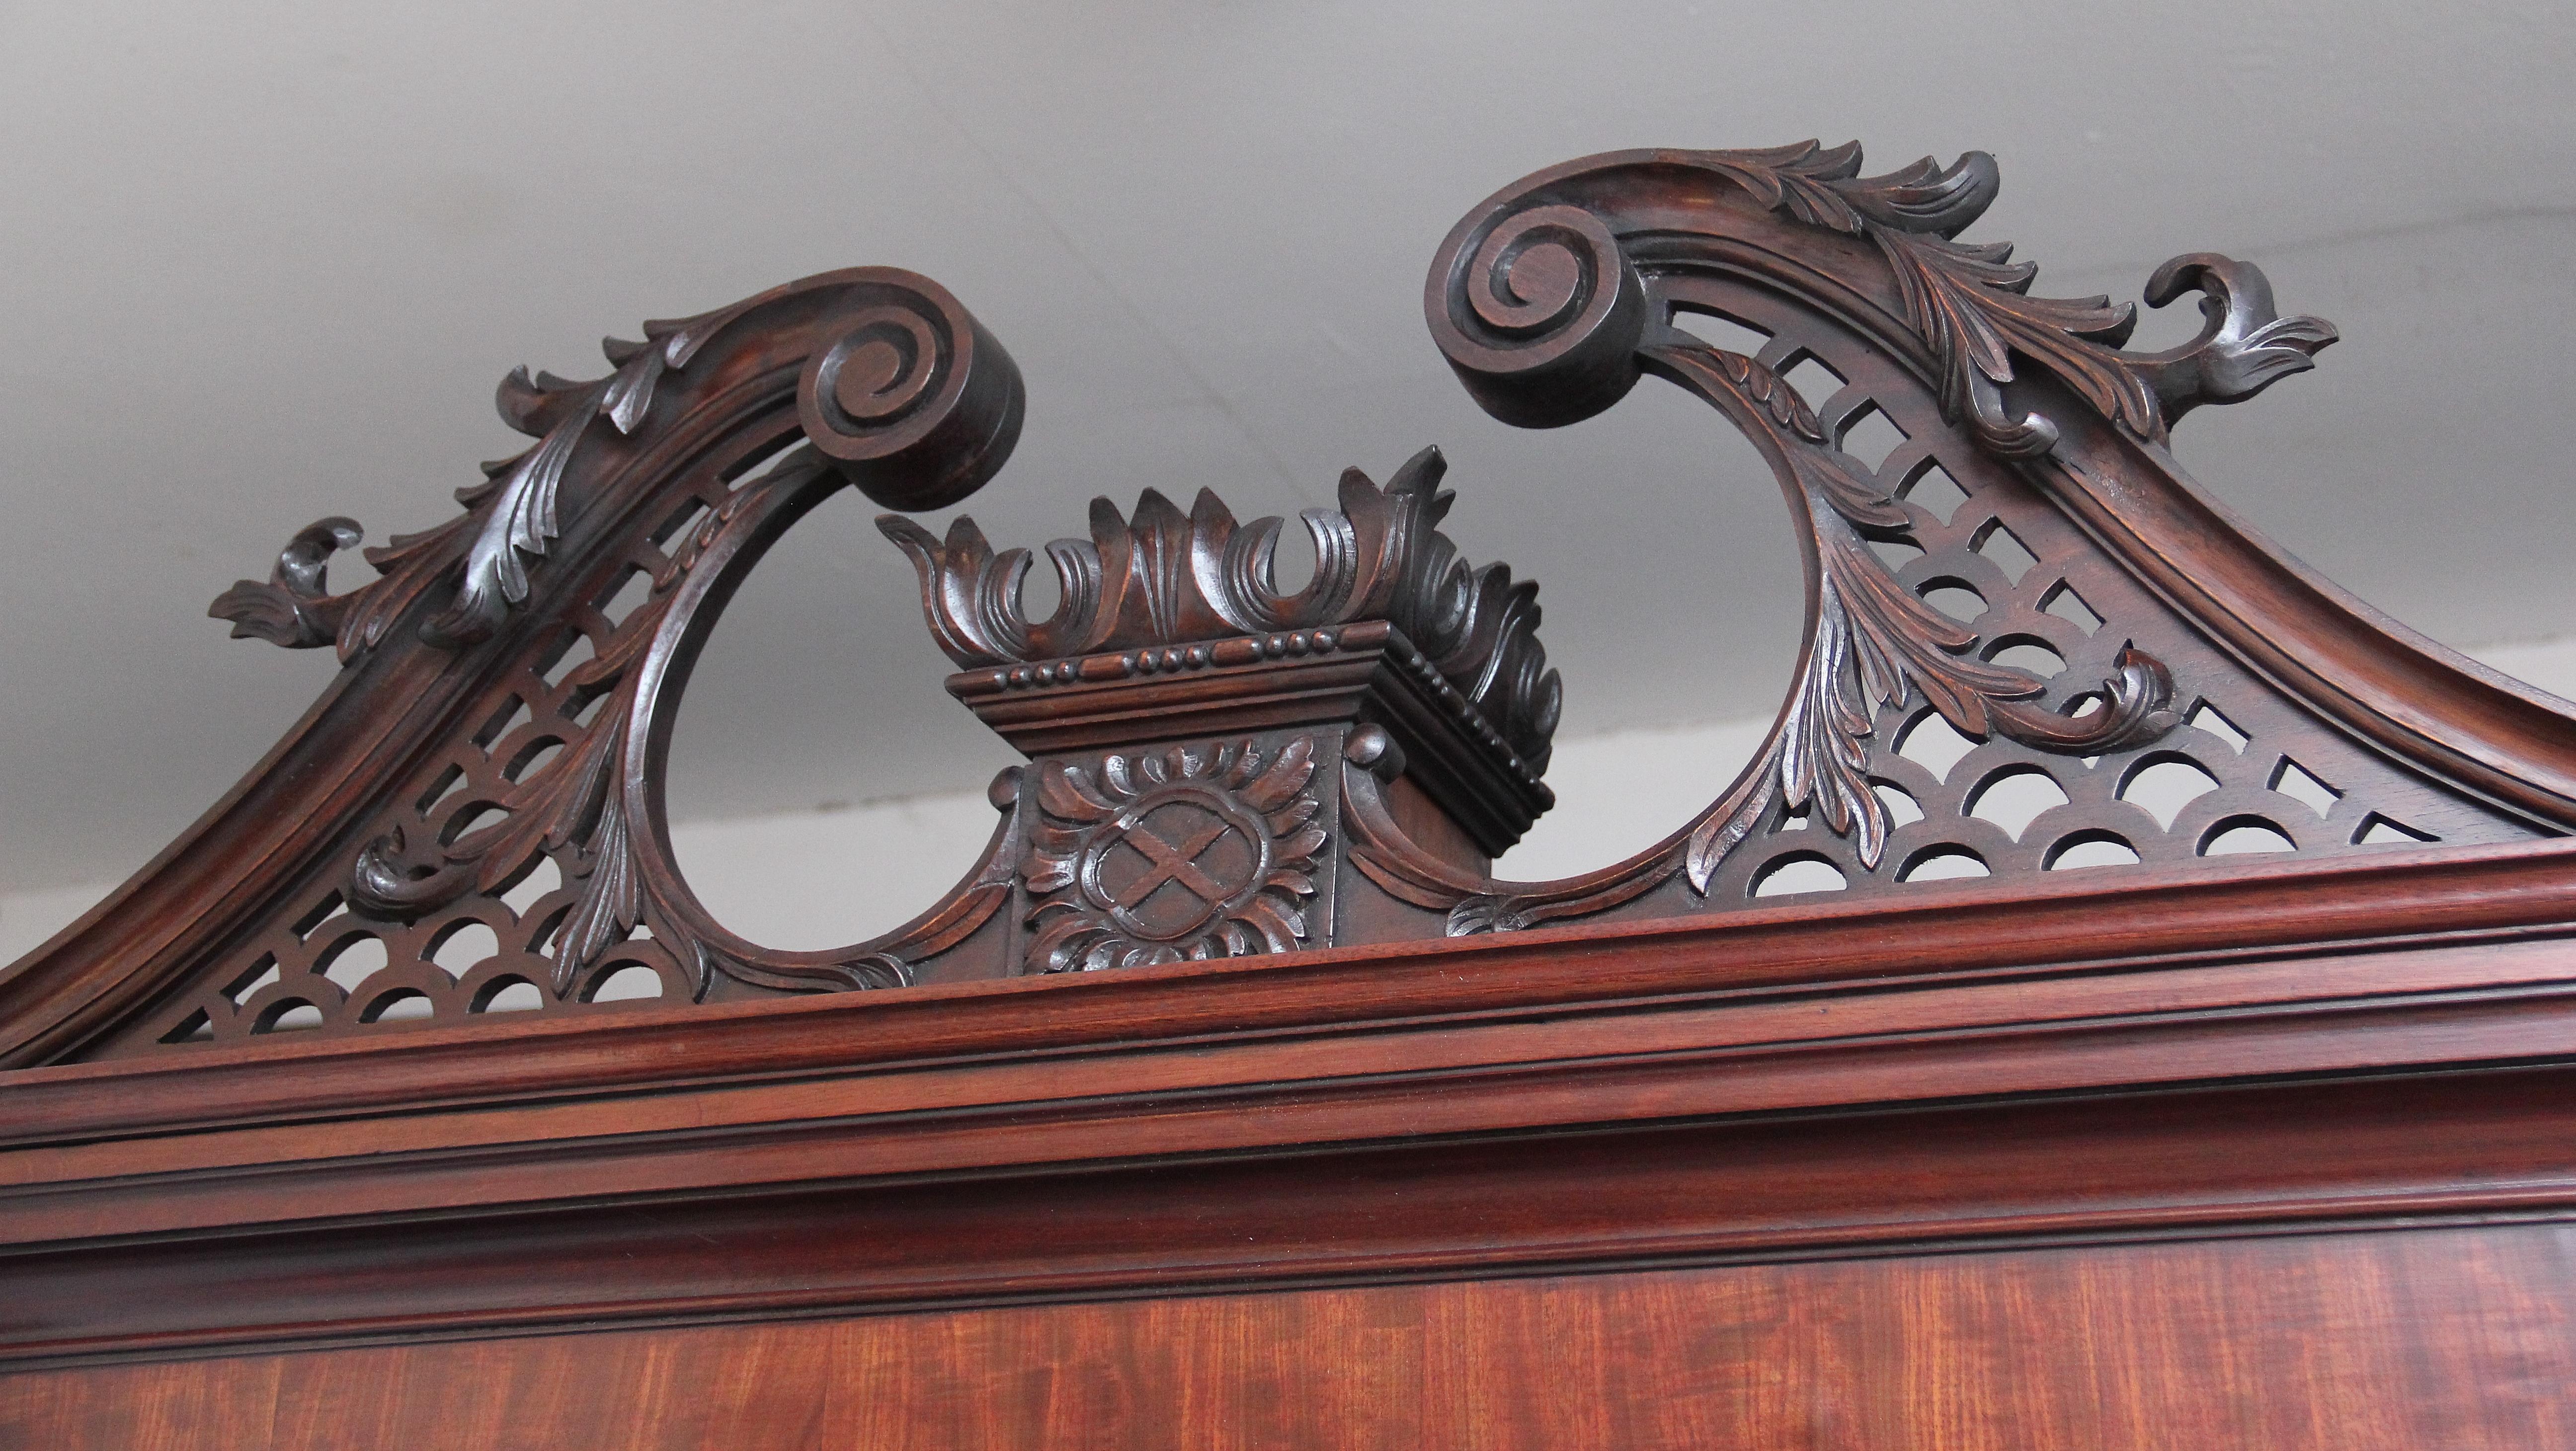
(534, 405)
(918, 543)
(2245, 345)
(1478, 916)
(294, 608)
(265, 612)
(1928, 197)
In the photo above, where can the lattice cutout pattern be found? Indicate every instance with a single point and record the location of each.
(2249, 772)
(307, 974)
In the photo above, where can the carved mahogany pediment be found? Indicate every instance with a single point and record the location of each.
(2024, 623)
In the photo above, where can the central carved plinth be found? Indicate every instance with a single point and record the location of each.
(1188, 722)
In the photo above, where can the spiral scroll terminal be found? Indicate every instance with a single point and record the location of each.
(1540, 314)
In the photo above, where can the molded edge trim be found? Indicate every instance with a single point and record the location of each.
(2452, 1149)
(2150, 918)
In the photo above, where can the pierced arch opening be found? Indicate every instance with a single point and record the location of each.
(2163, 783)
(1814, 378)
(532, 758)
(2031, 654)
(461, 946)
(2245, 836)
(540, 881)
(2014, 797)
(2378, 830)
(1902, 808)
(353, 959)
(1943, 863)
(2004, 550)
(1798, 873)
(287, 1015)
(509, 995)
(1930, 741)
(2090, 849)
(1721, 331)
(1954, 597)
(1931, 489)
(468, 817)
(1870, 436)
(629, 983)
(399, 1006)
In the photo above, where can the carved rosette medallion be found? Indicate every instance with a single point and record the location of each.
(1175, 855)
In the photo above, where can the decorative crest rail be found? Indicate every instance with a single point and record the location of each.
(2024, 626)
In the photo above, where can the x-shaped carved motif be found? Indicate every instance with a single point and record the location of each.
(1173, 862)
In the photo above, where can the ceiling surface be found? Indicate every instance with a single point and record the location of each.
(264, 263)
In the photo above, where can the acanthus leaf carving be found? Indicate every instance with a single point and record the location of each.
(294, 606)
(1163, 577)
(566, 803)
(575, 807)
(519, 516)
(1971, 303)
(1968, 304)
(928, 432)
(513, 516)
(2245, 345)
(1874, 645)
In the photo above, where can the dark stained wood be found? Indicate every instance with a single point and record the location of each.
(1180, 1191)
(485, 677)
(2275, 933)
(2399, 1342)
(1356, 1145)
(2023, 574)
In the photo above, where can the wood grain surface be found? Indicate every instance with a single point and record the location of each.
(2007, 1143)
(2423, 1340)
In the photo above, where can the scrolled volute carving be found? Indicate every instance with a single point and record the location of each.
(1161, 577)
(590, 807)
(1874, 646)
(1541, 316)
(1527, 298)
(898, 384)
(2245, 345)
(896, 387)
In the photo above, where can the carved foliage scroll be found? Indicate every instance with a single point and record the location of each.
(1162, 578)
(582, 576)
(1516, 299)
(2002, 673)
(912, 398)
(1554, 297)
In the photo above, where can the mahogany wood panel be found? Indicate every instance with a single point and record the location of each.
(2418, 1340)
(351, 1257)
